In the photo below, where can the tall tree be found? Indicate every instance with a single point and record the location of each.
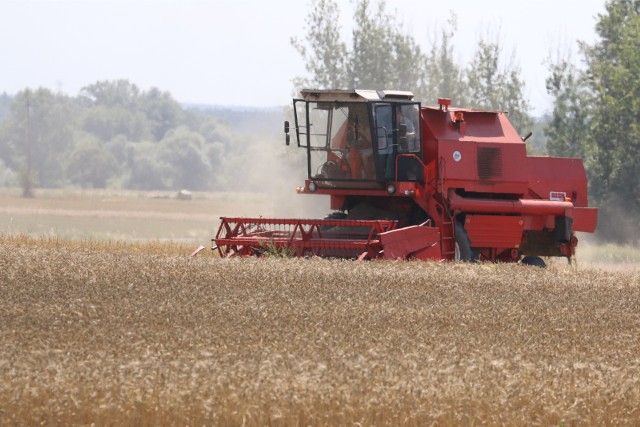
(381, 56)
(39, 130)
(324, 53)
(112, 108)
(162, 112)
(445, 78)
(144, 169)
(91, 165)
(183, 150)
(112, 93)
(568, 129)
(495, 86)
(613, 63)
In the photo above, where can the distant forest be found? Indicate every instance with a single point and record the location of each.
(115, 135)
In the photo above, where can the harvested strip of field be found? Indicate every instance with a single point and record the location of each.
(111, 333)
(101, 214)
(123, 215)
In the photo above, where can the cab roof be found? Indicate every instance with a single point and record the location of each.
(356, 95)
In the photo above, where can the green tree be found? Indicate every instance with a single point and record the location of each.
(444, 77)
(568, 129)
(91, 165)
(39, 131)
(613, 70)
(112, 93)
(109, 122)
(382, 55)
(162, 112)
(494, 86)
(113, 108)
(537, 142)
(7, 146)
(118, 148)
(324, 53)
(183, 150)
(144, 169)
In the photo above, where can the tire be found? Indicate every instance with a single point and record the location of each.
(463, 251)
(534, 261)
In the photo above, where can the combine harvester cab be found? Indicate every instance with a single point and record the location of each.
(407, 181)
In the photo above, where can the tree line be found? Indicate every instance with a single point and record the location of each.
(596, 116)
(113, 134)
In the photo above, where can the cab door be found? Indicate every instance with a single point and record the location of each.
(398, 142)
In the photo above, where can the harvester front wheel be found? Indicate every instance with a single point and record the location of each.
(462, 244)
(534, 261)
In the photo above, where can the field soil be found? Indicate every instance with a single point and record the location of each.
(113, 333)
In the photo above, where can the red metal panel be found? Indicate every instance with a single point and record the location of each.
(484, 167)
(555, 174)
(585, 219)
(489, 231)
(481, 126)
(403, 242)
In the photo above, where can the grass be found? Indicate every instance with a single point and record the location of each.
(113, 333)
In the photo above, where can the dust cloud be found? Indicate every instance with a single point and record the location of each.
(270, 167)
(617, 224)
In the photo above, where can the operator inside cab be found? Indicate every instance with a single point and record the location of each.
(396, 134)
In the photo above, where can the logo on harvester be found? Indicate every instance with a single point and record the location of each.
(558, 196)
(457, 156)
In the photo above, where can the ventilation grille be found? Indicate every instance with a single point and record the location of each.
(489, 162)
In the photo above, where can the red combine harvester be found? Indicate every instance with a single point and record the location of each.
(415, 182)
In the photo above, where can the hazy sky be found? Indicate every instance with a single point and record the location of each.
(238, 52)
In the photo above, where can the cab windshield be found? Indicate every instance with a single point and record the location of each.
(349, 142)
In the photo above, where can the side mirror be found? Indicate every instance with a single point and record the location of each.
(286, 132)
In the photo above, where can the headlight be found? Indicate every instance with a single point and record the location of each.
(391, 188)
(312, 186)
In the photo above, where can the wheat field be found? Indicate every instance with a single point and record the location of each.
(112, 333)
